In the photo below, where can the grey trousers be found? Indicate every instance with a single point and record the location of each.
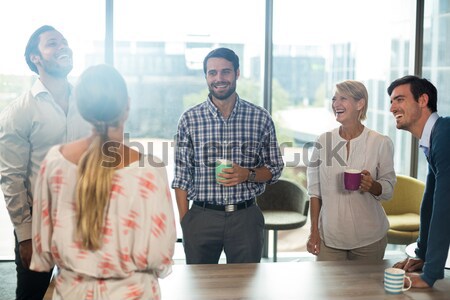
(207, 232)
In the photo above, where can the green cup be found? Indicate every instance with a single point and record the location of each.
(222, 164)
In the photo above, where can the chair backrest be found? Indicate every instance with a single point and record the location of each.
(284, 195)
(407, 197)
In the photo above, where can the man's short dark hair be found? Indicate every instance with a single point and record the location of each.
(419, 86)
(225, 53)
(33, 46)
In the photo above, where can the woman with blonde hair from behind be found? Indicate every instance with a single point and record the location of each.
(102, 213)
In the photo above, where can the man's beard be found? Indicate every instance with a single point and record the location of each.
(56, 70)
(225, 96)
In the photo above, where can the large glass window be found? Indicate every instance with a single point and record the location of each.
(320, 43)
(436, 59)
(160, 47)
(81, 22)
(160, 50)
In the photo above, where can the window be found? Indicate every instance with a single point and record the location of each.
(320, 43)
(159, 47)
(436, 60)
(18, 20)
(160, 51)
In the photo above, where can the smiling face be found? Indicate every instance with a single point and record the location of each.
(409, 113)
(221, 78)
(55, 56)
(346, 109)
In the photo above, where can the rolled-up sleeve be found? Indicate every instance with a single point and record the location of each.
(184, 156)
(273, 160)
(385, 169)
(14, 159)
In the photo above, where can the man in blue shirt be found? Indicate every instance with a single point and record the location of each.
(414, 105)
(44, 116)
(223, 215)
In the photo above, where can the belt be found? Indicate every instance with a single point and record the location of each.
(227, 207)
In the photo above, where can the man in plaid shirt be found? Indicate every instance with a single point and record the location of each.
(223, 215)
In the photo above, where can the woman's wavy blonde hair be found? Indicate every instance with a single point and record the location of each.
(102, 100)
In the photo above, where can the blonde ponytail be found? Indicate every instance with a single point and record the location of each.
(93, 193)
(102, 100)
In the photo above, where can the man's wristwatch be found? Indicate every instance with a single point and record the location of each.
(251, 175)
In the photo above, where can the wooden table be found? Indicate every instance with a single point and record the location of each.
(292, 280)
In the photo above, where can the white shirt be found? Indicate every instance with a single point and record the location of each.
(29, 126)
(424, 142)
(351, 219)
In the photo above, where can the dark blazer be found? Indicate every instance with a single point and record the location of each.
(434, 238)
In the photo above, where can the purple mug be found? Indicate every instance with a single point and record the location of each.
(352, 179)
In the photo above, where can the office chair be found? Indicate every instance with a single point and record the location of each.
(284, 205)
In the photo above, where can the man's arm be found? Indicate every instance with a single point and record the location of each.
(237, 174)
(184, 153)
(182, 202)
(14, 160)
(263, 174)
(271, 154)
(439, 206)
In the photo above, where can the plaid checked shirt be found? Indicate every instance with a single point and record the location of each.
(247, 138)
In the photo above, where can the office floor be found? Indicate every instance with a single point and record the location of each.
(8, 280)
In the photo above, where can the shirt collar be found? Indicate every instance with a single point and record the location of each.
(215, 111)
(426, 134)
(39, 88)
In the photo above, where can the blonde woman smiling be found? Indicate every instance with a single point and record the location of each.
(350, 225)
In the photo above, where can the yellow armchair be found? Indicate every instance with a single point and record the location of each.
(403, 210)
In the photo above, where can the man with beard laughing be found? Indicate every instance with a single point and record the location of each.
(224, 215)
(44, 116)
